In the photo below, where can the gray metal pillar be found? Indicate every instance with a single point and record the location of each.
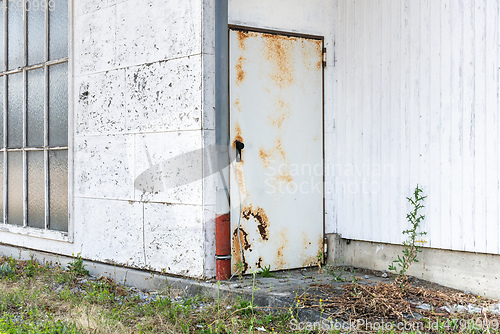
(222, 228)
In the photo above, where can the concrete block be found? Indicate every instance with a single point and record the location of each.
(88, 6)
(110, 231)
(169, 167)
(104, 167)
(94, 41)
(165, 96)
(100, 103)
(174, 238)
(155, 30)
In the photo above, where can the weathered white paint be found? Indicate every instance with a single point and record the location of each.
(143, 98)
(417, 101)
(314, 17)
(413, 98)
(276, 110)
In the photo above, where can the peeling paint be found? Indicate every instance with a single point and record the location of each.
(258, 264)
(236, 250)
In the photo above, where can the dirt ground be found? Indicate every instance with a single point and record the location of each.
(364, 302)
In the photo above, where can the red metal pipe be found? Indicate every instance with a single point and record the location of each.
(223, 247)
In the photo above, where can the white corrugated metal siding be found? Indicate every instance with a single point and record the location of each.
(417, 91)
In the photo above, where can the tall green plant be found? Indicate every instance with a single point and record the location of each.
(411, 248)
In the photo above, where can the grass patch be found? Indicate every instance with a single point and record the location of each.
(41, 298)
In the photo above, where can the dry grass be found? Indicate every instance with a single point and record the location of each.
(392, 302)
(47, 299)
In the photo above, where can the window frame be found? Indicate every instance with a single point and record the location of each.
(25, 229)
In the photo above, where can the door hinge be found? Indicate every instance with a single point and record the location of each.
(324, 57)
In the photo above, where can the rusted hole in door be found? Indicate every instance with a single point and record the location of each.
(258, 264)
(260, 216)
(238, 254)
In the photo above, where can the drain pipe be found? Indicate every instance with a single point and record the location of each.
(222, 220)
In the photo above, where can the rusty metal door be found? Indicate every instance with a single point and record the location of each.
(276, 122)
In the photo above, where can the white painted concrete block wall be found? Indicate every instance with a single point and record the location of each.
(143, 112)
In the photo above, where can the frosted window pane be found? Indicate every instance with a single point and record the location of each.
(36, 33)
(2, 67)
(15, 110)
(36, 190)
(35, 107)
(58, 30)
(15, 188)
(58, 105)
(15, 35)
(58, 189)
(1, 111)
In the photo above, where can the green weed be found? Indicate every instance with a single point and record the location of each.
(266, 272)
(77, 267)
(411, 248)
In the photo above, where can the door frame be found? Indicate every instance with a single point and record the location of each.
(233, 27)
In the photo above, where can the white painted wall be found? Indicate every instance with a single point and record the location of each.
(417, 101)
(141, 102)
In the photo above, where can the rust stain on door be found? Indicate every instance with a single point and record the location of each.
(238, 166)
(239, 253)
(310, 54)
(242, 37)
(264, 157)
(280, 114)
(276, 96)
(237, 134)
(279, 50)
(280, 260)
(240, 73)
(260, 216)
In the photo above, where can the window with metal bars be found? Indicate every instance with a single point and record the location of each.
(34, 107)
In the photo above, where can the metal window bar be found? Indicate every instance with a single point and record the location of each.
(46, 118)
(25, 122)
(5, 106)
